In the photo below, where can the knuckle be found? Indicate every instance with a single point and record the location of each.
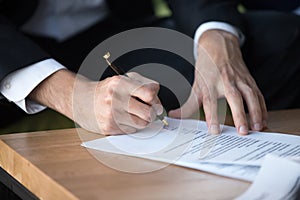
(149, 94)
(114, 81)
(206, 97)
(113, 84)
(205, 90)
(227, 72)
(107, 128)
(116, 78)
(108, 99)
(132, 74)
(155, 86)
(233, 92)
(142, 124)
(249, 90)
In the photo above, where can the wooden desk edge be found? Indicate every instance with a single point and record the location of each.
(18, 167)
(27, 173)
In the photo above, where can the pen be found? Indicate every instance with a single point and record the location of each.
(119, 71)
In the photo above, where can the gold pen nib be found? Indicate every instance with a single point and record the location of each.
(165, 122)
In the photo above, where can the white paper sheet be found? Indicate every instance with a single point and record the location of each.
(278, 179)
(187, 143)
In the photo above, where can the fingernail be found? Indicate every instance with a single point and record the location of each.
(158, 109)
(214, 129)
(257, 126)
(243, 130)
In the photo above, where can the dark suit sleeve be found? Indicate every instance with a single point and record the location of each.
(16, 51)
(190, 14)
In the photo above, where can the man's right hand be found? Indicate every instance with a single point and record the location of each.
(115, 105)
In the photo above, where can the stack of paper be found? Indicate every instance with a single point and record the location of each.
(278, 178)
(187, 143)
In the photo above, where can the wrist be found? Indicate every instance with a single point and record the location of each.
(219, 46)
(217, 35)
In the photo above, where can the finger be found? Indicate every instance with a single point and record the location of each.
(141, 110)
(113, 127)
(210, 106)
(145, 91)
(147, 94)
(188, 108)
(127, 129)
(158, 108)
(264, 110)
(235, 102)
(134, 122)
(155, 103)
(128, 120)
(251, 97)
(119, 130)
(143, 80)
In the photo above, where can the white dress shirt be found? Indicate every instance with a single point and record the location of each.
(17, 85)
(219, 26)
(61, 20)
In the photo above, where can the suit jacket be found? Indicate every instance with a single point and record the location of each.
(17, 51)
(189, 14)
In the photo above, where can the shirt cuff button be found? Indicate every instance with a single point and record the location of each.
(7, 86)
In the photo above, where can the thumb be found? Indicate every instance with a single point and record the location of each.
(188, 108)
(175, 113)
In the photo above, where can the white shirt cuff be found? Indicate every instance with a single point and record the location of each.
(17, 85)
(220, 26)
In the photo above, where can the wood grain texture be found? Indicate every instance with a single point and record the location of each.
(53, 165)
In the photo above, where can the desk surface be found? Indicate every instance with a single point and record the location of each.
(53, 165)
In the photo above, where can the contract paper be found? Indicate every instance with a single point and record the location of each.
(278, 179)
(187, 143)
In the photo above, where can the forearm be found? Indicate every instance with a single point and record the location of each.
(56, 92)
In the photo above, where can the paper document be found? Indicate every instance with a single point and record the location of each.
(187, 143)
(278, 179)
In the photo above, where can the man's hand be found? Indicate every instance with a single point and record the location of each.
(113, 106)
(221, 72)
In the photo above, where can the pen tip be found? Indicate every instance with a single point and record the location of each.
(165, 122)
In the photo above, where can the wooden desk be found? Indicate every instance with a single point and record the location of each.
(53, 165)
